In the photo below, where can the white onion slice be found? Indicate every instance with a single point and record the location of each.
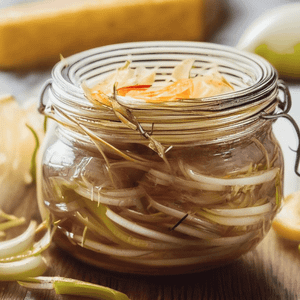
(186, 183)
(179, 214)
(136, 192)
(142, 230)
(262, 177)
(242, 212)
(233, 221)
(149, 218)
(194, 232)
(20, 243)
(27, 267)
(108, 250)
(98, 197)
(37, 248)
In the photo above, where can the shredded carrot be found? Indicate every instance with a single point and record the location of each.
(124, 90)
(201, 86)
(177, 90)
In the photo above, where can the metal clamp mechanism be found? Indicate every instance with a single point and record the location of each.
(285, 106)
(42, 106)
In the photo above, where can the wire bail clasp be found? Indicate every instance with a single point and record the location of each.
(41, 105)
(285, 106)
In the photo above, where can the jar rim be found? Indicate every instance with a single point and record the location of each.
(69, 73)
(231, 115)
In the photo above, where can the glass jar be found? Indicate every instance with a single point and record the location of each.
(194, 185)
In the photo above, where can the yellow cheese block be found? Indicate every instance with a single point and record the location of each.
(35, 34)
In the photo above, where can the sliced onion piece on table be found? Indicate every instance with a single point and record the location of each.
(23, 246)
(233, 221)
(20, 243)
(180, 214)
(75, 287)
(37, 248)
(27, 267)
(95, 227)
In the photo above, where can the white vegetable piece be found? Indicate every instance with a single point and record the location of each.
(27, 267)
(20, 243)
(279, 29)
(17, 145)
(275, 36)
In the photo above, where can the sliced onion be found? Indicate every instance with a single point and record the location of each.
(119, 236)
(233, 221)
(98, 197)
(179, 215)
(108, 250)
(27, 267)
(241, 212)
(95, 227)
(262, 177)
(37, 248)
(185, 183)
(75, 287)
(194, 232)
(156, 235)
(20, 243)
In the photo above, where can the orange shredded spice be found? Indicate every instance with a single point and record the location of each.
(197, 87)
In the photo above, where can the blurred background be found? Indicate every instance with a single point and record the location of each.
(228, 21)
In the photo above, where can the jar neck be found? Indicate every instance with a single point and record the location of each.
(92, 141)
(184, 129)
